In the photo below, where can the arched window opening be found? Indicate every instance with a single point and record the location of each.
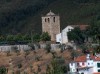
(48, 20)
(54, 19)
(45, 20)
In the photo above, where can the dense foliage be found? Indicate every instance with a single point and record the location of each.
(23, 39)
(3, 70)
(25, 15)
(76, 35)
(15, 14)
(92, 32)
(45, 36)
(90, 37)
(57, 67)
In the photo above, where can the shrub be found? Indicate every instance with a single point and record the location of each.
(27, 52)
(45, 36)
(3, 70)
(48, 47)
(8, 53)
(19, 65)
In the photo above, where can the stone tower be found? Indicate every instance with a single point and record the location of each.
(51, 24)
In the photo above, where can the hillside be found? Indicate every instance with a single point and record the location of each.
(32, 60)
(25, 15)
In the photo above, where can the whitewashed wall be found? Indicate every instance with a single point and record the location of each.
(63, 37)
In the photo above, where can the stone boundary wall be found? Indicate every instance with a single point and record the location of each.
(55, 47)
(36, 47)
(10, 47)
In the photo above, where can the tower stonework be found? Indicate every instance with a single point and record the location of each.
(51, 24)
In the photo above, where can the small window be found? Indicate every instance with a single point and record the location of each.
(82, 63)
(45, 20)
(48, 20)
(54, 19)
(78, 64)
(77, 70)
(99, 70)
(98, 65)
(71, 64)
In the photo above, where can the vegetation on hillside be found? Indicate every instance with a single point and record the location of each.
(3, 70)
(15, 15)
(25, 15)
(88, 38)
(25, 38)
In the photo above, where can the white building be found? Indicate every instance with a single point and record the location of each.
(85, 65)
(62, 37)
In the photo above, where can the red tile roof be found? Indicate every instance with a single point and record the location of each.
(83, 58)
(80, 59)
(97, 73)
(97, 59)
(82, 27)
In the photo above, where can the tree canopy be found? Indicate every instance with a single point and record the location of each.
(56, 67)
(45, 36)
(76, 35)
(3, 70)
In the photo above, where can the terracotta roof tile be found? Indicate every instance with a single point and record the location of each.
(82, 27)
(80, 59)
(97, 59)
(97, 73)
(83, 58)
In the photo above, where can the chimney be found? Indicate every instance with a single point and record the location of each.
(88, 56)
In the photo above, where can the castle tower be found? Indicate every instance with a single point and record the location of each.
(51, 24)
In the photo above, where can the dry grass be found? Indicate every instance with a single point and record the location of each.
(44, 58)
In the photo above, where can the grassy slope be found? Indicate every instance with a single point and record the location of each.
(21, 16)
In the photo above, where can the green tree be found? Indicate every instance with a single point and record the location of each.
(74, 54)
(45, 36)
(76, 35)
(18, 37)
(85, 48)
(2, 38)
(10, 37)
(3, 70)
(96, 50)
(55, 68)
(19, 65)
(36, 37)
(93, 30)
(48, 47)
(26, 37)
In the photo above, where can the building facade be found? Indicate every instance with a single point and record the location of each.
(85, 65)
(51, 24)
(63, 37)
